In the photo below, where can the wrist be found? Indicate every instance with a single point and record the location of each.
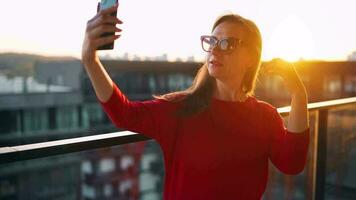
(300, 94)
(90, 60)
(298, 88)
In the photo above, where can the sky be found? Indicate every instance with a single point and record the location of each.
(307, 29)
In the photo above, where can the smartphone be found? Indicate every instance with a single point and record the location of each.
(105, 4)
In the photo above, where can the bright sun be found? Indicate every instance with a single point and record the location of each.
(291, 40)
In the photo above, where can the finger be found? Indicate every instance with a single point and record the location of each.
(105, 40)
(98, 31)
(266, 66)
(275, 63)
(103, 20)
(265, 71)
(270, 71)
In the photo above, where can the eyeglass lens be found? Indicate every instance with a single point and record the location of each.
(210, 42)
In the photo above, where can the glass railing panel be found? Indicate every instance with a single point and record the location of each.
(340, 182)
(130, 171)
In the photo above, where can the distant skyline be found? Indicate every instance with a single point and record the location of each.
(308, 29)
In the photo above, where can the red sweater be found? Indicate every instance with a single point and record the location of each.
(221, 153)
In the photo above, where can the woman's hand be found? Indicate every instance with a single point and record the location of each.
(288, 73)
(101, 23)
(299, 116)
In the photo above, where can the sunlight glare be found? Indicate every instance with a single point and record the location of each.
(291, 40)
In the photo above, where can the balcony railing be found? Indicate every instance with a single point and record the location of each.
(320, 110)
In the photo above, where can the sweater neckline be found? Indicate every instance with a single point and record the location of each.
(247, 100)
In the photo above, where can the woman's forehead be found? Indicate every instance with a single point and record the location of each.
(229, 29)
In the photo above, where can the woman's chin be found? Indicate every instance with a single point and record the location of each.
(214, 72)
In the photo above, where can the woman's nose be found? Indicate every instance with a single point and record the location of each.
(215, 50)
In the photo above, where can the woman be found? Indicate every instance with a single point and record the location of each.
(216, 137)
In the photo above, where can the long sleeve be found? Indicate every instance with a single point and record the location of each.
(152, 118)
(288, 150)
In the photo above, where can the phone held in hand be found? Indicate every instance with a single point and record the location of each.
(105, 4)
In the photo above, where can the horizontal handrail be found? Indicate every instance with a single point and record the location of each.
(58, 147)
(321, 105)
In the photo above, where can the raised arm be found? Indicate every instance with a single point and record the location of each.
(289, 146)
(153, 118)
(102, 22)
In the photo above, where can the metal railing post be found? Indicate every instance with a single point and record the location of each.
(319, 165)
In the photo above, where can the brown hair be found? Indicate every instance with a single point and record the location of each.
(198, 96)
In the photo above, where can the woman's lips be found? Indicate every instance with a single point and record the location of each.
(216, 63)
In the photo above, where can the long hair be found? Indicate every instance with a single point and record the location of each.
(197, 97)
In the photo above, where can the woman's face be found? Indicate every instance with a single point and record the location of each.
(231, 66)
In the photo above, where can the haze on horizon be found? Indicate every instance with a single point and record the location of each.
(308, 29)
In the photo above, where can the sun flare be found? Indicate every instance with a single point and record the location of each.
(291, 40)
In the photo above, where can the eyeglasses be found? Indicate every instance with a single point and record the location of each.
(225, 45)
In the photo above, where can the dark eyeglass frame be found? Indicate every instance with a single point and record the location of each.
(218, 43)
